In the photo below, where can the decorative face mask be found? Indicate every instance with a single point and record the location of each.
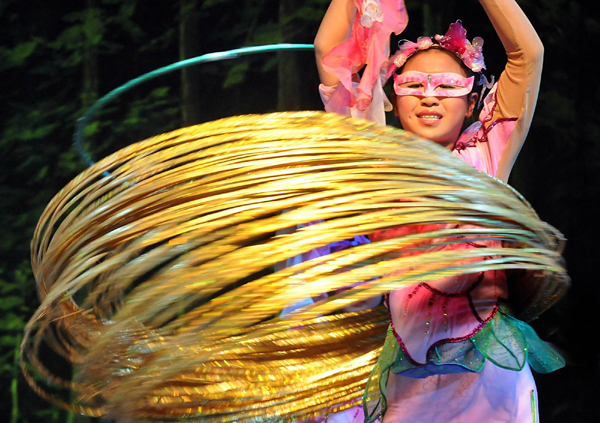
(432, 85)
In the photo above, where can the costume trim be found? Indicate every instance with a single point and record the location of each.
(505, 341)
(441, 342)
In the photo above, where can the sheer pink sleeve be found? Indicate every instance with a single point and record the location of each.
(338, 100)
(483, 144)
(367, 47)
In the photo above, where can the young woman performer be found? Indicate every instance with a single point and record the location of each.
(439, 364)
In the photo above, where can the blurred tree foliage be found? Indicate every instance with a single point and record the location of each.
(57, 58)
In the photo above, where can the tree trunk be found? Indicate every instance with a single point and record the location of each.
(190, 46)
(89, 94)
(289, 67)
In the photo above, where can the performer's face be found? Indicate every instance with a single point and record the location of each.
(438, 118)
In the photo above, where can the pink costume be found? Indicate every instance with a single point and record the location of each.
(443, 360)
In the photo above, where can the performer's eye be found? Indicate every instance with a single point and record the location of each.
(448, 87)
(413, 85)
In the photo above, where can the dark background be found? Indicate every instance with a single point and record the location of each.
(58, 57)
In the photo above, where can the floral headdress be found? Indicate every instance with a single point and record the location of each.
(455, 41)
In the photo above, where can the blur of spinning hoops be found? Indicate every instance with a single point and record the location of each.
(154, 265)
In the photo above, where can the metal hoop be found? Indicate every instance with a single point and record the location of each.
(210, 57)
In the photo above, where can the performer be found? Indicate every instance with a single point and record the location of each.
(154, 257)
(438, 364)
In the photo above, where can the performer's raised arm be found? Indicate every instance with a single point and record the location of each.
(354, 36)
(519, 84)
(335, 28)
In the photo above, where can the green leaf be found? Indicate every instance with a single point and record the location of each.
(211, 3)
(17, 55)
(91, 129)
(70, 38)
(93, 25)
(42, 173)
(10, 303)
(127, 9)
(12, 322)
(236, 74)
(160, 92)
(7, 342)
(37, 132)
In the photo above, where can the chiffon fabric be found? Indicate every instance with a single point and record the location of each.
(366, 49)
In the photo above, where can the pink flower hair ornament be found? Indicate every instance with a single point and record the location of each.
(454, 41)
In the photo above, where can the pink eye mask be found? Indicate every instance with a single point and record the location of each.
(432, 85)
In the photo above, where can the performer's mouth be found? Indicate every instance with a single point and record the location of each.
(429, 118)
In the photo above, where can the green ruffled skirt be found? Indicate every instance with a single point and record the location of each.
(505, 341)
